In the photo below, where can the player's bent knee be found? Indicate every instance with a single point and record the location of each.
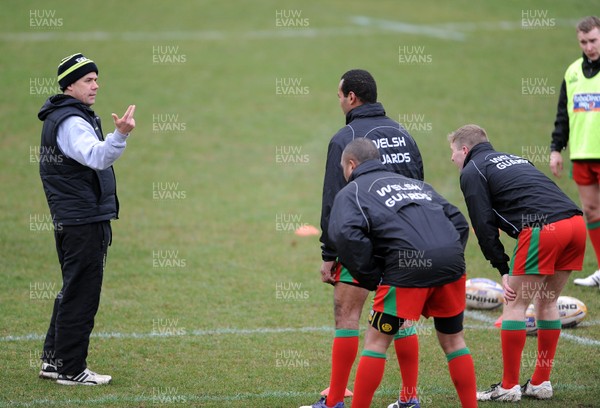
(385, 323)
(449, 325)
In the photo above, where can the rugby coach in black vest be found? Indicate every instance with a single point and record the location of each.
(80, 186)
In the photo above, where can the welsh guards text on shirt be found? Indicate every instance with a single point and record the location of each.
(405, 191)
(392, 142)
(504, 161)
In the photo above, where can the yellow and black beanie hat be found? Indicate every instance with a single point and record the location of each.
(72, 68)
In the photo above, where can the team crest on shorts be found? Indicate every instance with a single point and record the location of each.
(386, 327)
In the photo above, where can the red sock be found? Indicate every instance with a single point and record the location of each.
(406, 344)
(594, 233)
(462, 372)
(548, 334)
(368, 377)
(513, 337)
(343, 354)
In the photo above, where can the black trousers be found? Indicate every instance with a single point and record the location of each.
(82, 251)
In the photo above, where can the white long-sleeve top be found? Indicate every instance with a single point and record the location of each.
(77, 140)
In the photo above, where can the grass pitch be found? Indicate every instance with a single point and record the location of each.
(209, 299)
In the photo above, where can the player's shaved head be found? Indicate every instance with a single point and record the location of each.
(360, 150)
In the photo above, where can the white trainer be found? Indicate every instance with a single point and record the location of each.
(497, 393)
(86, 377)
(542, 391)
(48, 372)
(592, 280)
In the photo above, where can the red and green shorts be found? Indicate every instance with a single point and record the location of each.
(559, 246)
(341, 274)
(410, 303)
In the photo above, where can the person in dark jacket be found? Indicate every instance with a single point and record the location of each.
(365, 118)
(578, 123)
(399, 236)
(504, 191)
(80, 187)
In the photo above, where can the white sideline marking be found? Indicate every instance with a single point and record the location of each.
(419, 29)
(200, 333)
(278, 330)
(499, 25)
(117, 335)
(567, 336)
(144, 398)
(186, 35)
(455, 31)
(183, 35)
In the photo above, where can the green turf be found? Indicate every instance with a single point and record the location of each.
(202, 252)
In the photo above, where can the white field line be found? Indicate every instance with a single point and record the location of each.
(360, 25)
(270, 330)
(162, 397)
(181, 35)
(196, 333)
(407, 28)
(201, 333)
(567, 336)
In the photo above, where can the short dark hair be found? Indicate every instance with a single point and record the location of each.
(361, 83)
(361, 150)
(587, 24)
